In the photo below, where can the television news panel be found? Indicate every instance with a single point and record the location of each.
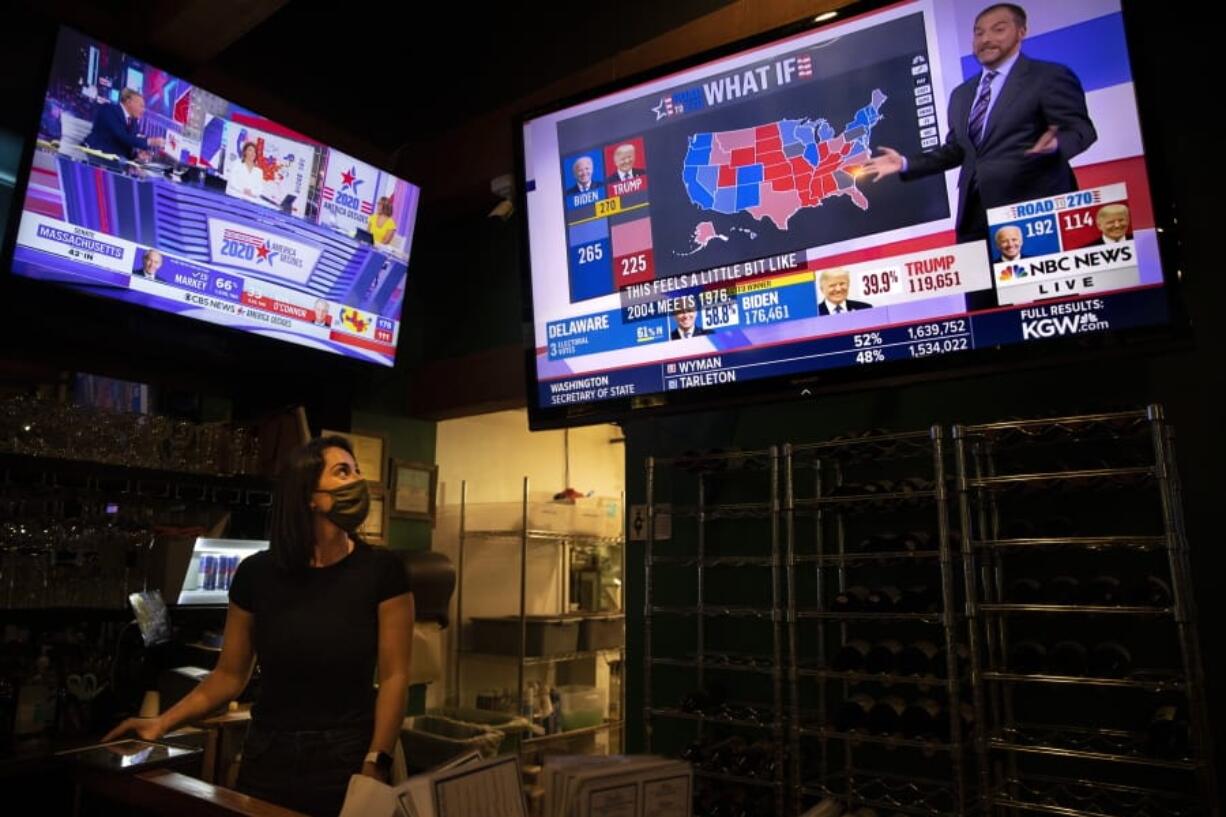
(147, 189)
(720, 225)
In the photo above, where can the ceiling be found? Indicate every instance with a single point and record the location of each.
(410, 72)
(388, 75)
(371, 80)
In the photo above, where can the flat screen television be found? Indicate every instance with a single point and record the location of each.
(147, 189)
(908, 188)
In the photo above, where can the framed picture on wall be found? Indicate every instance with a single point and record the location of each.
(369, 449)
(374, 529)
(413, 485)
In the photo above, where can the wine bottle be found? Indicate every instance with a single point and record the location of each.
(917, 658)
(883, 599)
(1064, 590)
(1069, 658)
(922, 718)
(1104, 590)
(1025, 591)
(746, 763)
(912, 485)
(965, 721)
(1110, 659)
(851, 656)
(852, 714)
(885, 718)
(1028, 658)
(706, 798)
(693, 753)
(883, 657)
(1168, 735)
(851, 600)
(881, 486)
(724, 755)
(705, 700)
(919, 598)
(1057, 527)
(828, 807)
(693, 702)
(909, 542)
(879, 543)
(1151, 592)
(758, 760)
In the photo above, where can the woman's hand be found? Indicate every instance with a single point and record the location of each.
(144, 728)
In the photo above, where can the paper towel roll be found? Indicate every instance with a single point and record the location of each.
(426, 664)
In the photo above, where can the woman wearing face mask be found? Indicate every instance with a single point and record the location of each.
(321, 609)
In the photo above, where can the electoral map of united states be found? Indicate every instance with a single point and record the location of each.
(775, 170)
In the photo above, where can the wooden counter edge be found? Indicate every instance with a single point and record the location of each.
(163, 791)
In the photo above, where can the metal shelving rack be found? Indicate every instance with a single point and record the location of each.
(818, 471)
(526, 537)
(761, 719)
(1084, 758)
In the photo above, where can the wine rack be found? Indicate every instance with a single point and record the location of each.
(713, 654)
(1001, 626)
(1124, 730)
(862, 512)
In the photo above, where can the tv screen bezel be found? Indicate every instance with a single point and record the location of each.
(1175, 334)
(176, 335)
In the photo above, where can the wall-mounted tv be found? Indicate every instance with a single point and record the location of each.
(886, 194)
(148, 189)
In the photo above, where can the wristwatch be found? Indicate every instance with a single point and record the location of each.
(382, 761)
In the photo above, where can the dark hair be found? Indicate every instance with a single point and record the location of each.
(251, 145)
(1019, 13)
(291, 526)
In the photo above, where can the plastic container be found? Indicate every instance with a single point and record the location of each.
(513, 727)
(602, 632)
(430, 740)
(553, 517)
(582, 707)
(547, 635)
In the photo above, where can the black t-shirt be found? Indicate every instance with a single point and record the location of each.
(317, 636)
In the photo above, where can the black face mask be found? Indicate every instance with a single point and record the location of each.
(350, 504)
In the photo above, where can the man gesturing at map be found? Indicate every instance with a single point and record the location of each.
(1012, 128)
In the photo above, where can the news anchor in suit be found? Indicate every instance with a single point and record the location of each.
(1012, 129)
(115, 127)
(834, 284)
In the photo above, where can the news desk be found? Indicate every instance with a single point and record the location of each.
(184, 219)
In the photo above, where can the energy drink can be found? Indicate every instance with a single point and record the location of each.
(208, 571)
